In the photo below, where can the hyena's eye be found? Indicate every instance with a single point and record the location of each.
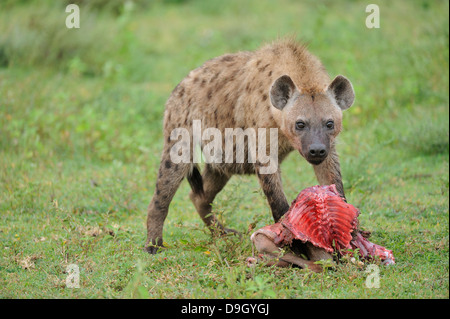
(330, 125)
(300, 125)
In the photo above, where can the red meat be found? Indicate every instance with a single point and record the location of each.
(319, 215)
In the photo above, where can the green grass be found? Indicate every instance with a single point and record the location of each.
(81, 136)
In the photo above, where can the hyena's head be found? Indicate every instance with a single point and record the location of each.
(311, 122)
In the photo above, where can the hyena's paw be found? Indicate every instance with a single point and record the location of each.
(154, 246)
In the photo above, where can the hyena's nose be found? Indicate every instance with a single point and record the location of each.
(317, 151)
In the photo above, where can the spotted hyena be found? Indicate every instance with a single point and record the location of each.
(280, 86)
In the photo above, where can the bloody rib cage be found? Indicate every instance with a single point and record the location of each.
(319, 215)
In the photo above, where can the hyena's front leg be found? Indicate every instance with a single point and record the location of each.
(272, 188)
(329, 171)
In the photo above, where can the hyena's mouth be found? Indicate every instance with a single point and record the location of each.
(312, 160)
(315, 161)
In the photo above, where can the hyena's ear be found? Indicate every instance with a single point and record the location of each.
(342, 90)
(281, 91)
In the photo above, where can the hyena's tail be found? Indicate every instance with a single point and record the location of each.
(195, 180)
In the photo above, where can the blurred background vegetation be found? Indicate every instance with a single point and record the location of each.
(81, 134)
(128, 55)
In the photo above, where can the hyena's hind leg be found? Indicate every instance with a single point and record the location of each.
(169, 178)
(205, 187)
